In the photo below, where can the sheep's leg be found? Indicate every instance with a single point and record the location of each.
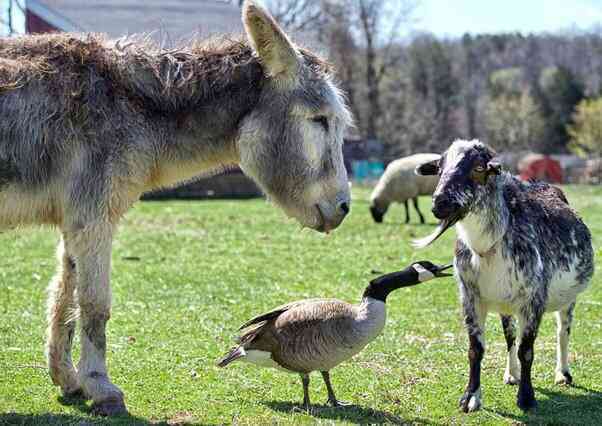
(61, 325)
(528, 324)
(91, 247)
(474, 318)
(512, 373)
(415, 202)
(305, 382)
(405, 203)
(564, 318)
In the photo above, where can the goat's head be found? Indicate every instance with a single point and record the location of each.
(465, 169)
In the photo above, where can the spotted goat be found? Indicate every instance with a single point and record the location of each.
(521, 251)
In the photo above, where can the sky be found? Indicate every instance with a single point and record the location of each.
(455, 17)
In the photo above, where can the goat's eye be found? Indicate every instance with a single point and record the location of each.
(322, 121)
(479, 169)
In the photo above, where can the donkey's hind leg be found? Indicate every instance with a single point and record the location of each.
(564, 318)
(91, 246)
(61, 324)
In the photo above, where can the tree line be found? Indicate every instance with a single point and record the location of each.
(517, 92)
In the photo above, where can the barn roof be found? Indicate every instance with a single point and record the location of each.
(174, 19)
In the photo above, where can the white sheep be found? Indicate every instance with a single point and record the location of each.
(399, 183)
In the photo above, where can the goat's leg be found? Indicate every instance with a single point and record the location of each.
(61, 325)
(564, 318)
(405, 203)
(512, 373)
(474, 318)
(91, 247)
(529, 321)
(415, 202)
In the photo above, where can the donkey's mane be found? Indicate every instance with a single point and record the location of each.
(138, 68)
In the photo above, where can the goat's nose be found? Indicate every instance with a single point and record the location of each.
(442, 207)
(343, 207)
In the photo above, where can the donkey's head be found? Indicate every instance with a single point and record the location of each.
(291, 142)
(465, 169)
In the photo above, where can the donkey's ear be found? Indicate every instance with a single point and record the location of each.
(427, 169)
(275, 50)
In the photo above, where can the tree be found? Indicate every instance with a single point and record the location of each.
(298, 15)
(513, 121)
(586, 130)
(375, 26)
(560, 93)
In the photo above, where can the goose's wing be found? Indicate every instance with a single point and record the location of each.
(275, 313)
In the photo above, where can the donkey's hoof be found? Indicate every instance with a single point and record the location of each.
(563, 378)
(109, 407)
(72, 394)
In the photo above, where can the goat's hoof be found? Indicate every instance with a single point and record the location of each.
(471, 401)
(563, 378)
(509, 379)
(109, 407)
(526, 402)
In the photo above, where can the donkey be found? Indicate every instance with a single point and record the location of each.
(88, 125)
(521, 250)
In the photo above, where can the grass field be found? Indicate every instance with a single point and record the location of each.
(186, 274)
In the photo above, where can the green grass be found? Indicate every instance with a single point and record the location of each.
(205, 267)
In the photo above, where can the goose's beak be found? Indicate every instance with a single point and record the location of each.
(439, 271)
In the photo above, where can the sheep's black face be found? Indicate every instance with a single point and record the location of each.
(465, 169)
(377, 214)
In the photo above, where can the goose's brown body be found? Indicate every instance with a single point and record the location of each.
(314, 334)
(319, 334)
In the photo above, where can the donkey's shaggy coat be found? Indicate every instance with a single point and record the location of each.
(88, 125)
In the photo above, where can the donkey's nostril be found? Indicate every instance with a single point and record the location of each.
(344, 207)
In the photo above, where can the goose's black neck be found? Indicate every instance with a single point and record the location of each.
(379, 288)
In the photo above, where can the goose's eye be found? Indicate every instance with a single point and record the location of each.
(479, 169)
(322, 121)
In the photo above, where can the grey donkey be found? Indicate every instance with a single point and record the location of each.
(88, 125)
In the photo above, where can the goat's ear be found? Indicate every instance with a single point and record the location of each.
(493, 167)
(276, 52)
(428, 169)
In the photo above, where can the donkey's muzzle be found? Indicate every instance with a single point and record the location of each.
(331, 218)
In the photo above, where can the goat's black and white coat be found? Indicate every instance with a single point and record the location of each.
(521, 251)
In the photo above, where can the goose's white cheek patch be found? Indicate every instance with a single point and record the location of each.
(423, 273)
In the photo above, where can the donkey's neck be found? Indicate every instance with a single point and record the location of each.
(197, 99)
(487, 221)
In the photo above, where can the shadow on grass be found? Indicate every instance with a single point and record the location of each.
(563, 408)
(84, 419)
(352, 413)
(69, 419)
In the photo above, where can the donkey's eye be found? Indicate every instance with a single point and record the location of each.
(322, 121)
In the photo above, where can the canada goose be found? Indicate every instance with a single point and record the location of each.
(319, 334)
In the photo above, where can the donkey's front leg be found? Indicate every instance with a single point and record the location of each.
(91, 246)
(474, 318)
(529, 321)
(61, 324)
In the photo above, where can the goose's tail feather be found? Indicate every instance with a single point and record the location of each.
(233, 355)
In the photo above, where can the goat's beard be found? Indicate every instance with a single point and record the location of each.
(443, 226)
